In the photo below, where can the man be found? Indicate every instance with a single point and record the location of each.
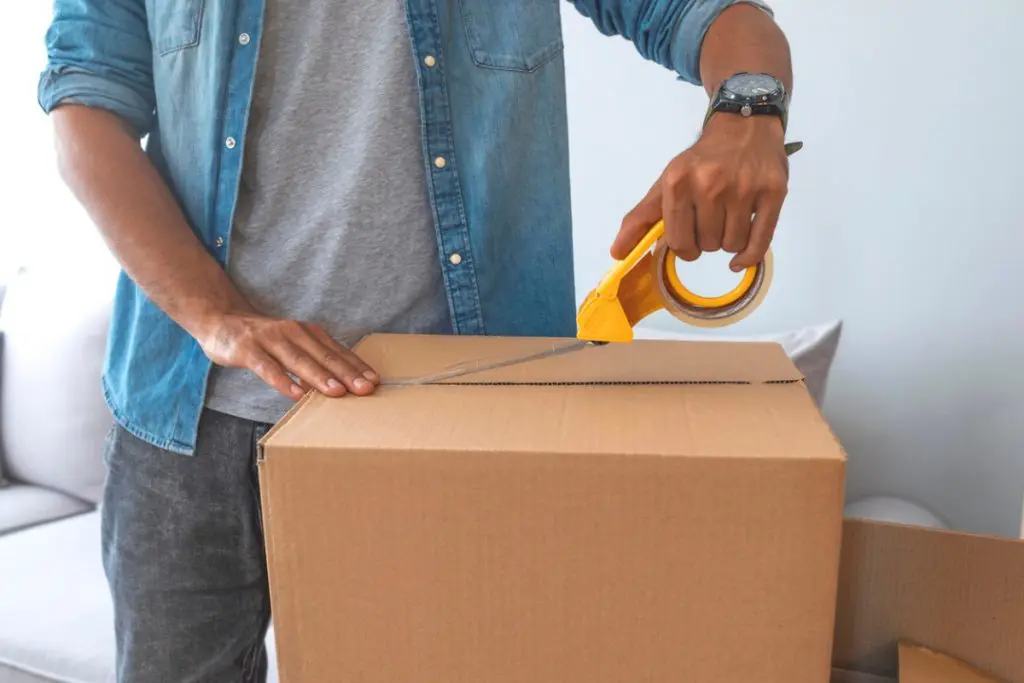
(383, 165)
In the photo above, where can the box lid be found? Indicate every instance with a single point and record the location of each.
(639, 362)
(678, 399)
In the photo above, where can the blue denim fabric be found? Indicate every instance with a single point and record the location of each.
(493, 107)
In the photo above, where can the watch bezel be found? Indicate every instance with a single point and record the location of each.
(729, 101)
(734, 95)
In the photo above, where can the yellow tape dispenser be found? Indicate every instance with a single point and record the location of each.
(646, 281)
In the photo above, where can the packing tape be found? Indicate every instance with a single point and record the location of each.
(709, 312)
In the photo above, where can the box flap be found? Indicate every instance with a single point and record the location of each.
(614, 417)
(957, 593)
(639, 362)
(922, 665)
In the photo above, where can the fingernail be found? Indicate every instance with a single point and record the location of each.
(296, 391)
(362, 384)
(333, 384)
(370, 375)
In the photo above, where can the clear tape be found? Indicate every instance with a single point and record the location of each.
(475, 367)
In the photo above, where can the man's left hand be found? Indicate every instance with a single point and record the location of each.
(725, 192)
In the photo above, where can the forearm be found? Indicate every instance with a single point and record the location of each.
(102, 163)
(744, 38)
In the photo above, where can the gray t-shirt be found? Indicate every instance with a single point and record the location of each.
(334, 223)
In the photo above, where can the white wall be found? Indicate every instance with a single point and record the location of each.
(903, 219)
(39, 218)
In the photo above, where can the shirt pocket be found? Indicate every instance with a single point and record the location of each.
(512, 35)
(175, 24)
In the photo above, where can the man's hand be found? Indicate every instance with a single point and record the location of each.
(277, 350)
(725, 192)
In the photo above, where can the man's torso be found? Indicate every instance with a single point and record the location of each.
(333, 223)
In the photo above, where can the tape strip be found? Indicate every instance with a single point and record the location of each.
(475, 367)
(700, 316)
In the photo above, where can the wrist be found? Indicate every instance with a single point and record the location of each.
(201, 318)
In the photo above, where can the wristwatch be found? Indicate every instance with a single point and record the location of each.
(751, 94)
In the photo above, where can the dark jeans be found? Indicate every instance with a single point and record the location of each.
(183, 552)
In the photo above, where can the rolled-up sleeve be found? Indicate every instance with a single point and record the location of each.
(99, 55)
(668, 32)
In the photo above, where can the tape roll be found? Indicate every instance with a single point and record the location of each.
(738, 304)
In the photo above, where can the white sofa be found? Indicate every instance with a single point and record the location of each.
(55, 611)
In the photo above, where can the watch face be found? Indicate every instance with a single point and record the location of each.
(750, 86)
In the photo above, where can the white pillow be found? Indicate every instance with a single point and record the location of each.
(811, 348)
(893, 511)
(54, 418)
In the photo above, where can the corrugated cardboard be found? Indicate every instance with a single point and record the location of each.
(918, 664)
(657, 511)
(921, 665)
(958, 594)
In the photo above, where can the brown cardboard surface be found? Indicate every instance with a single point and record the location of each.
(959, 594)
(642, 361)
(705, 418)
(922, 665)
(557, 533)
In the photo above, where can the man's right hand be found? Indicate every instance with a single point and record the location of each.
(277, 350)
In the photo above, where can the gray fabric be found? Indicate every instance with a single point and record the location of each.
(23, 506)
(57, 622)
(55, 607)
(54, 417)
(334, 223)
(183, 550)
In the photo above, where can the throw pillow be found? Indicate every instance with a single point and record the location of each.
(811, 348)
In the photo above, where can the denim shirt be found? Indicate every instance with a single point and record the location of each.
(494, 140)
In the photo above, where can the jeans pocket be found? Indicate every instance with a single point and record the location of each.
(175, 24)
(512, 35)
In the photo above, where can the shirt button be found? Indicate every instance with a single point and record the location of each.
(230, 143)
(455, 259)
(429, 61)
(244, 39)
(219, 241)
(440, 162)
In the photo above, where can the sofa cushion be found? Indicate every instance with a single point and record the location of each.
(812, 349)
(54, 418)
(57, 615)
(56, 607)
(23, 506)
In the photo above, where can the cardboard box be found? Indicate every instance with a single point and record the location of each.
(959, 595)
(655, 511)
